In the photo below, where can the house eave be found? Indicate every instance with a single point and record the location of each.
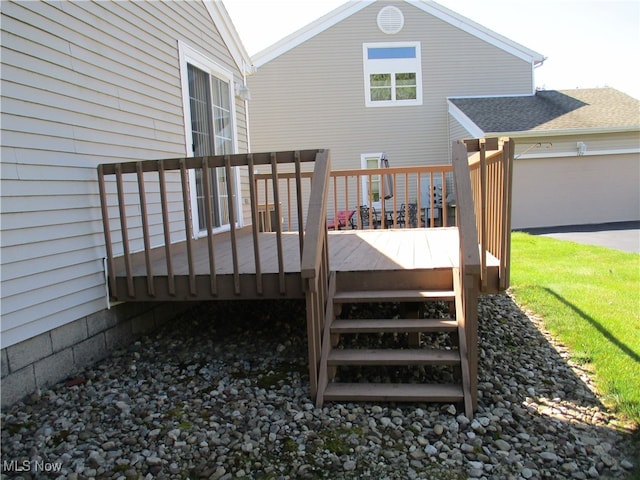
(230, 36)
(566, 132)
(427, 6)
(479, 31)
(309, 31)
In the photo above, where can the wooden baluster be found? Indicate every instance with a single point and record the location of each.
(347, 210)
(171, 283)
(253, 195)
(288, 204)
(107, 233)
(276, 203)
(432, 219)
(419, 201)
(232, 223)
(125, 231)
(267, 215)
(358, 199)
(299, 202)
(336, 220)
(445, 212)
(483, 215)
(145, 229)
(208, 212)
(188, 225)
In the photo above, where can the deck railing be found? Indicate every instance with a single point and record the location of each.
(412, 204)
(491, 180)
(406, 196)
(148, 208)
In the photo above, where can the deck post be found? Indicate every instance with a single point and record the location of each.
(469, 264)
(314, 266)
(508, 147)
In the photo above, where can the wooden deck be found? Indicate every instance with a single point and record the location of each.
(350, 251)
(327, 269)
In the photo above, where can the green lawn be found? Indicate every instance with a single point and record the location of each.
(589, 298)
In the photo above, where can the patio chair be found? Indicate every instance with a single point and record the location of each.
(365, 213)
(343, 218)
(401, 219)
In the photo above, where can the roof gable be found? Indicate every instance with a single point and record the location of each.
(428, 6)
(549, 111)
(229, 34)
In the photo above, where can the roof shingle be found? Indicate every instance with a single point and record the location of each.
(549, 110)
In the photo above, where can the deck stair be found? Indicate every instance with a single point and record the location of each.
(335, 355)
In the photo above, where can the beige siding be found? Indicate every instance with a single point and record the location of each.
(553, 185)
(313, 95)
(457, 131)
(83, 83)
(576, 190)
(567, 145)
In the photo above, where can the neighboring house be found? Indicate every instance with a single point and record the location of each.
(85, 83)
(577, 155)
(373, 77)
(407, 78)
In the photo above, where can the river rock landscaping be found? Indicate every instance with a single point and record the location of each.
(222, 393)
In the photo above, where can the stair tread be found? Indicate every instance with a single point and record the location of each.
(394, 325)
(363, 296)
(393, 357)
(393, 392)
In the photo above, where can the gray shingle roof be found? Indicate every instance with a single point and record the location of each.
(549, 110)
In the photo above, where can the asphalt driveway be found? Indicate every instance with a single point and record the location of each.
(623, 236)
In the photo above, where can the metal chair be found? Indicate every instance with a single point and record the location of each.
(369, 217)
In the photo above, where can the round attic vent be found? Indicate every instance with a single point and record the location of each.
(390, 20)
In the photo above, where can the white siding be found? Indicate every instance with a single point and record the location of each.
(83, 83)
(312, 96)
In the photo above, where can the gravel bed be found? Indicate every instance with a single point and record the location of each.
(222, 393)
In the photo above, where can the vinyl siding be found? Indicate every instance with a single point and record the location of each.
(457, 131)
(313, 95)
(85, 83)
(556, 191)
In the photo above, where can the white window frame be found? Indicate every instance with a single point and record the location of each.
(189, 55)
(392, 66)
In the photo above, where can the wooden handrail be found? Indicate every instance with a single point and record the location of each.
(316, 218)
(469, 253)
(315, 265)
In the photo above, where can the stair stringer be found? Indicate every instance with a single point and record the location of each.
(325, 345)
(462, 345)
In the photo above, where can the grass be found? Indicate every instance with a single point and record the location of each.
(589, 299)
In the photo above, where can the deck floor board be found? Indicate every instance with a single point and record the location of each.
(350, 250)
